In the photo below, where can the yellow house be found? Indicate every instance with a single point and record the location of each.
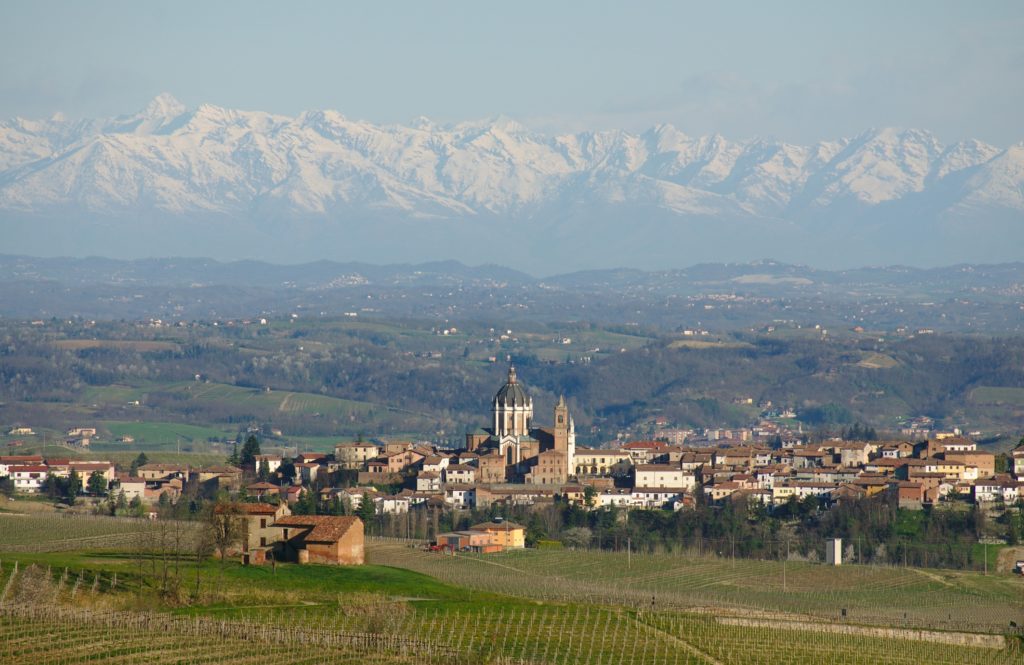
(506, 534)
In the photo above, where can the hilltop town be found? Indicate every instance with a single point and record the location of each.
(515, 461)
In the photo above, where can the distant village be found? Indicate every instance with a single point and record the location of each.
(514, 461)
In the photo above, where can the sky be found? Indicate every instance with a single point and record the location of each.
(795, 71)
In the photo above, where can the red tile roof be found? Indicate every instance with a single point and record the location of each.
(325, 528)
(247, 508)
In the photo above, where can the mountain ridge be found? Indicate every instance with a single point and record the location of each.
(319, 185)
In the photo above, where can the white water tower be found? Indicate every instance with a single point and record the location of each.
(834, 551)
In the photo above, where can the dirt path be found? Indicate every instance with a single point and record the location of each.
(934, 577)
(687, 646)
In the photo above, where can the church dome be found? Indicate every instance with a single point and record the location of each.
(512, 394)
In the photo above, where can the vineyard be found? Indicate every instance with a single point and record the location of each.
(890, 596)
(94, 599)
(56, 532)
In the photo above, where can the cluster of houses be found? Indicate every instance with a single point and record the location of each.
(515, 462)
(29, 474)
(657, 474)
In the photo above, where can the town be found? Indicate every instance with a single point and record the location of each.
(516, 463)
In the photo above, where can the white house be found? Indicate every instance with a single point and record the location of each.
(428, 481)
(460, 496)
(663, 476)
(462, 474)
(28, 478)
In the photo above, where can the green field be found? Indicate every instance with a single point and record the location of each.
(989, 395)
(164, 432)
(83, 583)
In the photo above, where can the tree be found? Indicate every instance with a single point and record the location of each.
(224, 529)
(136, 508)
(250, 449)
(367, 510)
(589, 496)
(286, 471)
(577, 537)
(233, 459)
(1002, 463)
(97, 484)
(141, 460)
(306, 505)
(6, 486)
(74, 487)
(264, 471)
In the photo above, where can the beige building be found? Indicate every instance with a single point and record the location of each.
(600, 462)
(507, 534)
(354, 455)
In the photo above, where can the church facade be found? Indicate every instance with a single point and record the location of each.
(514, 450)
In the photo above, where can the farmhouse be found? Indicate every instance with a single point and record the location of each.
(322, 539)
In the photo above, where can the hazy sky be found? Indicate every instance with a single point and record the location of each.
(799, 71)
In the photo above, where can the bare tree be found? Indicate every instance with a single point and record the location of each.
(225, 529)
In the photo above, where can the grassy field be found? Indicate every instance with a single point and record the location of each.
(148, 432)
(997, 396)
(79, 584)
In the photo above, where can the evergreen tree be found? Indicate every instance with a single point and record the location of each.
(286, 471)
(307, 503)
(367, 511)
(97, 484)
(233, 459)
(264, 471)
(73, 488)
(250, 450)
(141, 460)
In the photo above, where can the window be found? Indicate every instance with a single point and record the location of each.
(263, 522)
(263, 541)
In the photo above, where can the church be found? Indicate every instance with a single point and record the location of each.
(514, 450)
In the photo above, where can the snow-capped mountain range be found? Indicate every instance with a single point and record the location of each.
(322, 186)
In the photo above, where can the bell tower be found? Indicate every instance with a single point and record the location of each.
(561, 425)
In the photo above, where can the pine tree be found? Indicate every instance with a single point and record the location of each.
(367, 510)
(141, 460)
(250, 450)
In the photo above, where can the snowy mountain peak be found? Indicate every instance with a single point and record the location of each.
(164, 105)
(256, 166)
